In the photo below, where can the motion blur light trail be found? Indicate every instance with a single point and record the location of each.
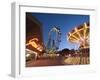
(34, 43)
(80, 35)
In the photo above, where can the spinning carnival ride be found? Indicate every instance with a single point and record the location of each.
(80, 36)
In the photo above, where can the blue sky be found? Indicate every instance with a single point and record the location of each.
(66, 22)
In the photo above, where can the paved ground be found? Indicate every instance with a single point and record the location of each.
(57, 61)
(45, 62)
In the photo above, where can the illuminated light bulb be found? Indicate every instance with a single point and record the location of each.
(27, 55)
(85, 25)
(75, 29)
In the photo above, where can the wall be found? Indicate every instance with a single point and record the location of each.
(5, 40)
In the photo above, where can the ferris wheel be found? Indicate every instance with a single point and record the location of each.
(54, 39)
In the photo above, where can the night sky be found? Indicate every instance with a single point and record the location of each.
(66, 22)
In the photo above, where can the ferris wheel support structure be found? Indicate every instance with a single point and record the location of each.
(53, 44)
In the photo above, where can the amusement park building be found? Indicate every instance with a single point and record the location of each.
(33, 32)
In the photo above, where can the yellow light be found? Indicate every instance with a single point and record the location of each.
(79, 35)
(33, 43)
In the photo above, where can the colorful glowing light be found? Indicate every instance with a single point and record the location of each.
(80, 35)
(34, 43)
